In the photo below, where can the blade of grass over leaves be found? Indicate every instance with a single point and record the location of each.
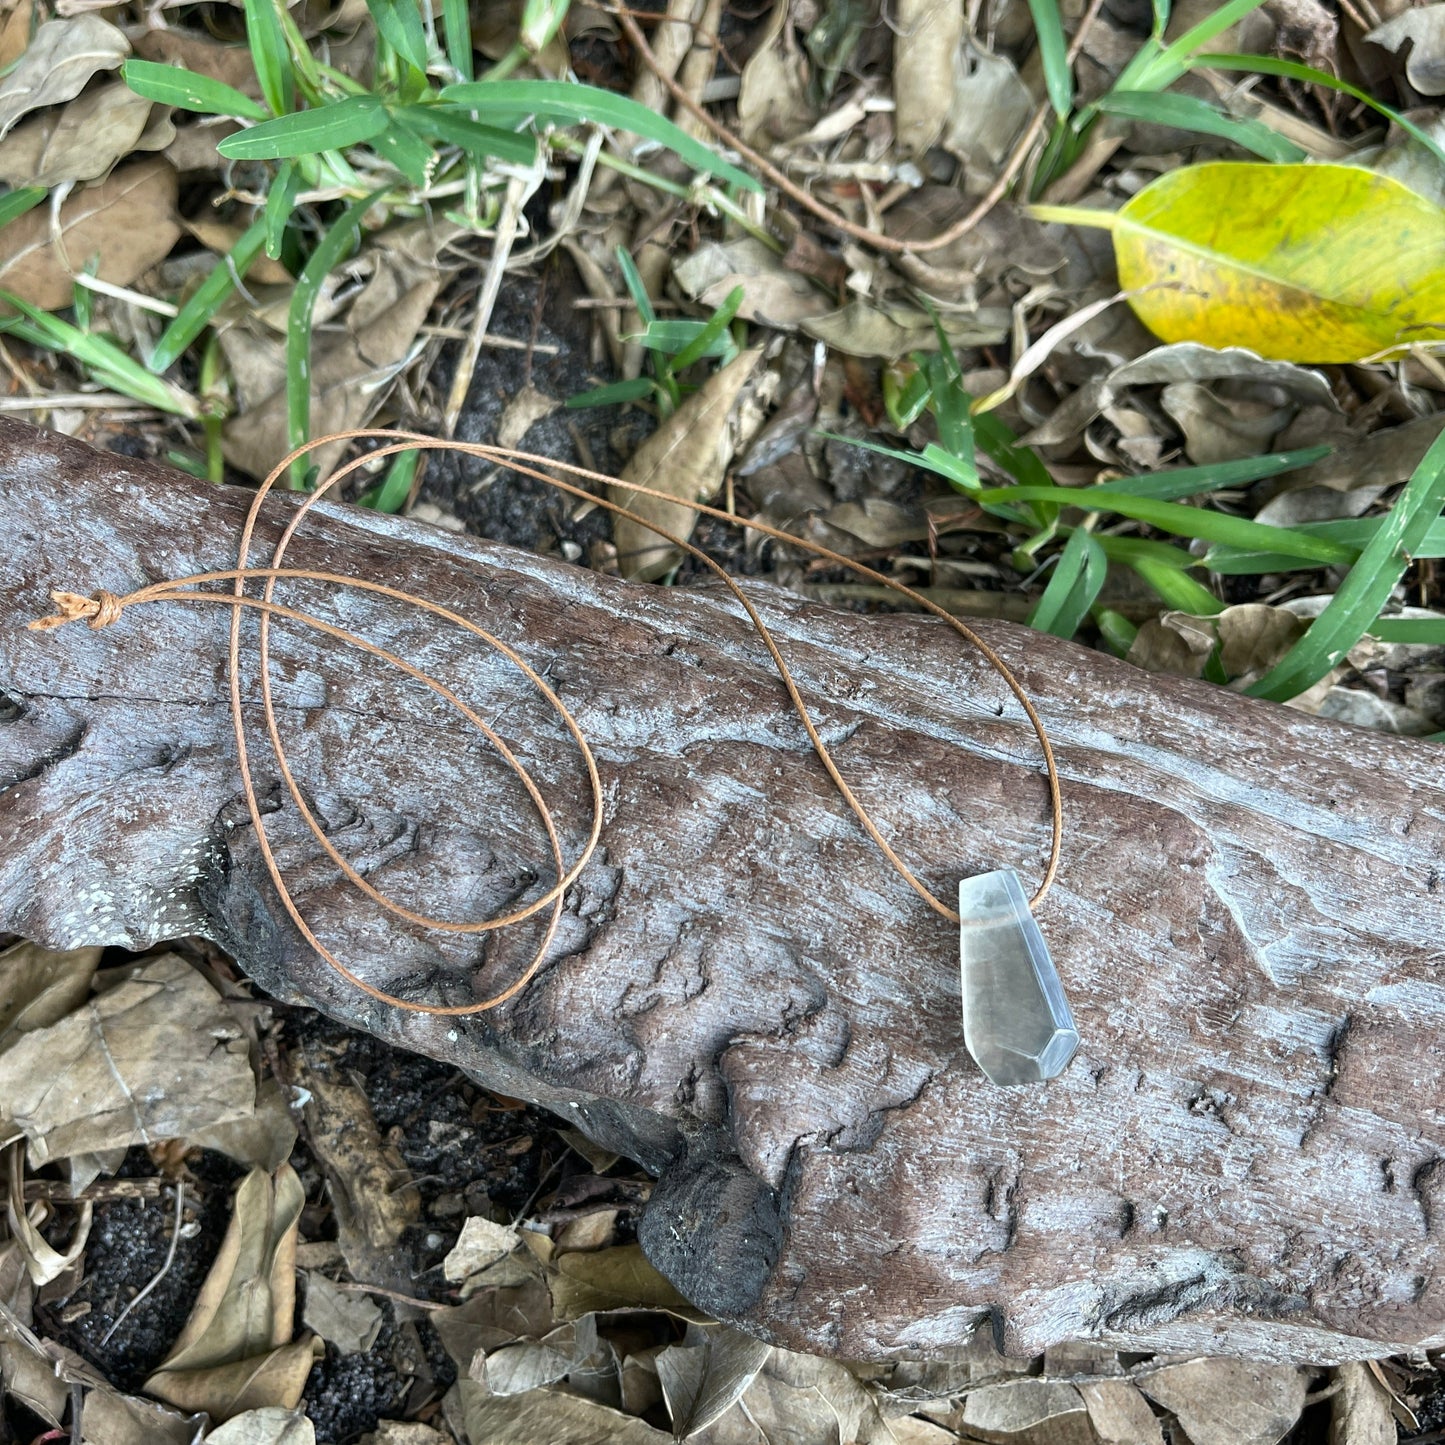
(171, 85)
(1295, 70)
(1176, 587)
(1182, 482)
(1183, 521)
(409, 153)
(112, 365)
(679, 336)
(564, 102)
(1422, 631)
(14, 204)
(1156, 67)
(614, 393)
(1116, 630)
(1355, 532)
(633, 280)
(194, 315)
(328, 127)
(280, 202)
(1053, 55)
(714, 330)
(452, 125)
(1368, 585)
(335, 246)
(398, 22)
(391, 493)
(457, 25)
(1073, 589)
(270, 56)
(1188, 112)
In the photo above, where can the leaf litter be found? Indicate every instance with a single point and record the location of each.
(541, 1320)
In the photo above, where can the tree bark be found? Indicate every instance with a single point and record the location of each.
(1246, 1154)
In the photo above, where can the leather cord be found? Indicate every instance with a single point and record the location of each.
(103, 609)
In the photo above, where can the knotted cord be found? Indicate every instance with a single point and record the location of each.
(103, 608)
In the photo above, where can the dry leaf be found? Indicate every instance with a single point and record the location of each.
(61, 58)
(549, 1415)
(1360, 1413)
(15, 32)
(1229, 1402)
(81, 143)
(594, 1230)
(1253, 637)
(42, 1262)
(152, 1058)
(927, 36)
(111, 1419)
(990, 106)
(493, 1319)
(370, 1187)
(219, 236)
(773, 295)
(859, 329)
(773, 101)
(686, 456)
(1027, 1412)
(267, 1426)
(1297, 273)
(529, 1364)
(27, 1375)
(234, 1353)
(347, 1318)
(1174, 643)
(706, 1376)
(126, 224)
(1119, 1414)
(480, 1243)
(39, 986)
(231, 64)
(262, 1139)
(522, 412)
(1424, 29)
(613, 1279)
(396, 1432)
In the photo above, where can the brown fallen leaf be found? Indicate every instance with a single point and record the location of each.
(926, 39)
(15, 32)
(613, 1279)
(151, 1058)
(231, 64)
(270, 1425)
(219, 236)
(348, 1319)
(773, 101)
(1229, 1402)
(548, 1415)
(83, 142)
(1360, 1412)
(1119, 1414)
(108, 1418)
(773, 294)
(481, 1243)
(39, 986)
(686, 456)
(59, 61)
(706, 1375)
(235, 1352)
(369, 1185)
(891, 331)
(43, 1262)
(409, 1432)
(1027, 1412)
(126, 223)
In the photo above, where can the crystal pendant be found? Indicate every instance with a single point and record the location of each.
(1016, 1020)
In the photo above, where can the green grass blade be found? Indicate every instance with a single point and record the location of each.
(1073, 589)
(453, 126)
(329, 127)
(1188, 112)
(1161, 18)
(633, 279)
(398, 22)
(1354, 532)
(955, 418)
(1368, 585)
(194, 315)
(1422, 631)
(1294, 70)
(571, 104)
(1181, 520)
(14, 204)
(343, 236)
(172, 85)
(409, 153)
(1156, 68)
(99, 355)
(614, 393)
(1116, 630)
(391, 494)
(270, 55)
(998, 441)
(280, 202)
(1129, 549)
(714, 330)
(1180, 482)
(1053, 55)
(905, 400)
(457, 25)
(1176, 588)
(679, 336)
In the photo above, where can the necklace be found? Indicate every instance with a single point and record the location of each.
(1017, 1024)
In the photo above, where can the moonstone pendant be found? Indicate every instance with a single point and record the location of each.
(1016, 1020)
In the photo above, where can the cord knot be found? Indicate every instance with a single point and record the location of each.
(99, 611)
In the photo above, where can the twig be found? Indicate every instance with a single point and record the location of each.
(784, 183)
(507, 224)
(161, 1273)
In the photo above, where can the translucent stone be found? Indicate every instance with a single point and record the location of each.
(1016, 1020)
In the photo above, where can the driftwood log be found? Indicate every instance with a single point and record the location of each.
(1248, 1153)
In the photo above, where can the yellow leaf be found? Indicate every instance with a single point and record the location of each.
(1310, 263)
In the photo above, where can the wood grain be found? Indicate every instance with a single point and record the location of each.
(1246, 1155)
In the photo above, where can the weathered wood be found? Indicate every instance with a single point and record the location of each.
(1248, 1153)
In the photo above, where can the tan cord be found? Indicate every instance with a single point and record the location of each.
(104, 608)
(891, 244)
